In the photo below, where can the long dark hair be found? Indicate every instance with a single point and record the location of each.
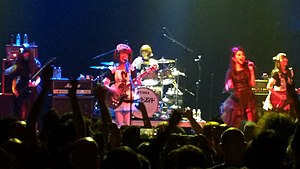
(231, 68)
(31, 62)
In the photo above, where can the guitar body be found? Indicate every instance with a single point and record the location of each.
(276, 102)
(114, 100)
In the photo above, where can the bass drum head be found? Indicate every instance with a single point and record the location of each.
(150, 100)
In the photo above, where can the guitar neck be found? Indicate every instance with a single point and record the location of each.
(140, 76)
(150, 69)
(41, 69)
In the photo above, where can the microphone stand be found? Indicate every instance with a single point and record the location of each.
(172, 39)
(186, 49)
(104, 54)
(111, 51)
(198, 60)
(127, 69)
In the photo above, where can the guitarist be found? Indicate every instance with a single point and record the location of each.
(279, 98)
(116, 81)
(24, 90)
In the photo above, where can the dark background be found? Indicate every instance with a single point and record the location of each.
(76, 31)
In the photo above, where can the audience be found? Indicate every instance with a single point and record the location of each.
(72, 141)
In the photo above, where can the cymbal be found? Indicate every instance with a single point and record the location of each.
(177, 72)
(163, 60)
(99, 67)
(107, 63)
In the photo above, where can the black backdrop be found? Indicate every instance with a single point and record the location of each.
(76, 31)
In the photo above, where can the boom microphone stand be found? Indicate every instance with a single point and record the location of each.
(186, 49)
(172, 39)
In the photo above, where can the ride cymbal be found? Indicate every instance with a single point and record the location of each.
(163, 60)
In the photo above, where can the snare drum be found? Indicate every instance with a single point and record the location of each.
(150, 100)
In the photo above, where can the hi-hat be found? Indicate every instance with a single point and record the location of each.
(163, 60)
(99, 67)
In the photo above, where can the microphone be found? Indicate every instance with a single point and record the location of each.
(198, 59)
(249, 63)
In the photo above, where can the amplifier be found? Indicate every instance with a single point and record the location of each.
(12, 51)
(260, 87)
(63, 85)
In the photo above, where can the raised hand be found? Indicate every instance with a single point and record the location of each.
(141, 107)
(73, 89)
(175, 118)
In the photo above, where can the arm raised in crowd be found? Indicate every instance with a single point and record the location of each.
(195, 125)
(146, 119)
(77, 115)
(37, 107)
(156, 147)
(100, 94)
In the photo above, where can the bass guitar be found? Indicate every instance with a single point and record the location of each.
(114, 100)
(278, 99)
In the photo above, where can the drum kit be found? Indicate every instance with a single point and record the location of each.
(159, 95)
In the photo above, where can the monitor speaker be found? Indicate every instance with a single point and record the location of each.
(63, 104)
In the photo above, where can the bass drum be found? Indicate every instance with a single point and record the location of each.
(150, 100)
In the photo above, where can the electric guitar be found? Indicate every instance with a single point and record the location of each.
(114, 100)
(26, 89)
(278, 99)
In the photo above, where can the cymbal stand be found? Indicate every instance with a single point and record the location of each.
(198, 60)
(176, 88)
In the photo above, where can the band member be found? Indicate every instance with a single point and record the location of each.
(240, 105)
(118, 82)
(25, 82)
(281, 96)
(143, 62)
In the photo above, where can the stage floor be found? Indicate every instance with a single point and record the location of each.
(182, 123)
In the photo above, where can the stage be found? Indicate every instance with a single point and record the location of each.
(6, 110)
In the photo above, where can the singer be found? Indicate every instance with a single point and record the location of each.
(240, 77)
(117, 81)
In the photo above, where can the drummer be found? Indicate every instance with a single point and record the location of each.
(143, 62)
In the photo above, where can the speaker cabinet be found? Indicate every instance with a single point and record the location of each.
(6, 80)
(63, 104)
(260, 98)
(6, 106)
